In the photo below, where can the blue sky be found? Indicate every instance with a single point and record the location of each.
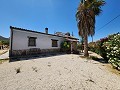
(57, 15)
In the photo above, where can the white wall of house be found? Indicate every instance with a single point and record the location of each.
(20, 40)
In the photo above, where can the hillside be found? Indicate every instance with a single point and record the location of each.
(3, 38)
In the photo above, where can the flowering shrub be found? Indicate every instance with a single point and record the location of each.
(108, 48)
(102, 48)
(113, 50)
(98, 48)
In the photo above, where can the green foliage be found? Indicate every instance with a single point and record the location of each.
(108, 48)
(98, 48)
(65, 46)
(92, 46)
(85, 16)
(3, 60)
(113, 49)
(94, 58)
(0, 43)
(102, 48)
(79, 46)
(4, 42)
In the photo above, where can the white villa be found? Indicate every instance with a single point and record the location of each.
(28, 42)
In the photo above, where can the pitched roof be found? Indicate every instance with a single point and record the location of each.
(73, 40)
(21, 29)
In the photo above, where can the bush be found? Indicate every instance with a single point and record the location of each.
(65, 47)
(102, 48)
(99, 48)
(91, 46)
(94, 58)
(108, 48)
(80, 46)
(5, 42)
(113, 49)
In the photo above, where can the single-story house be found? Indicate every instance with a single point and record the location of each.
(28, 42)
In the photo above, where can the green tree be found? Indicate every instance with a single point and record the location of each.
(5, 42)
(85, 16)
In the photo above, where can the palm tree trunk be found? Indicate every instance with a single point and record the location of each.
(92, 38)
(86, 45)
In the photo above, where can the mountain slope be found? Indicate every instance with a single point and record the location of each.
(3, 38)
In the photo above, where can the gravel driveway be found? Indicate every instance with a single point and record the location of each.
(5, 55)
(62, 72)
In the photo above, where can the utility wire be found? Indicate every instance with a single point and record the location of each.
(109, 22)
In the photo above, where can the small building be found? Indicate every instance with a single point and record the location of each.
(1, 45)
(28, 42)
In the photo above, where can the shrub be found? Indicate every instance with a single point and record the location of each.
(92, 46)
(108, 48)
(113, 49)
(102, 48)
(65, 46)
(94, 58)
(98, 47)
(5, 42)
(80, 46)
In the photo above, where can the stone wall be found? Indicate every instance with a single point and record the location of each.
(32, 51)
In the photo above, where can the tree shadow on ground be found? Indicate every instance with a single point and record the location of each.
(30, 57)
(98, 58)
(95, 58)
(101, 60)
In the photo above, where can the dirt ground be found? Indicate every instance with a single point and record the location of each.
(3, 51)
(60, 72)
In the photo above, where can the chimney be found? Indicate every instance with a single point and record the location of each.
(46, 30)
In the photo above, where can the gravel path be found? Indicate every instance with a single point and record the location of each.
(5, 55)
(62, 72)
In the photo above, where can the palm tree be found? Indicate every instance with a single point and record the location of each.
(85, 16)
(92, 37)
(82, 41)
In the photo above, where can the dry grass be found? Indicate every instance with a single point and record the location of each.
(90, 57)
(108, 66)
(3, 60)
(111, 69)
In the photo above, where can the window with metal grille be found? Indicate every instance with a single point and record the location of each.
(31, 41)
(54, 43)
